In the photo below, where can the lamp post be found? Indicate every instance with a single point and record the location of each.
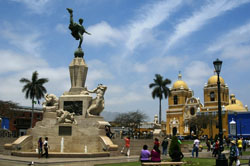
(221, 160)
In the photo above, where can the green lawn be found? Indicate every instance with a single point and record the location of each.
(189, 162)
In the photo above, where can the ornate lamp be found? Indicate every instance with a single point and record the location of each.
(221, 160)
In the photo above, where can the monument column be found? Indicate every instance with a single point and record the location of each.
(78, 72)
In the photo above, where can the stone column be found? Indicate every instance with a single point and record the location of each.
(78, 72)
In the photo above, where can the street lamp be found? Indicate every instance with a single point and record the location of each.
(221, 160)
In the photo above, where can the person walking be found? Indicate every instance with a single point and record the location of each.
(240, 145)
(155, 154)
(208, 145)
(216, 148)
(164, 145)
(234, 153)
(127, 146)
(244, 145)
(46, 148)
(157, 142)
(196, 147)
(145, 154)
(40, 147)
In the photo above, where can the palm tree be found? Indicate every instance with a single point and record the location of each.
(34, 89)
(160, 90)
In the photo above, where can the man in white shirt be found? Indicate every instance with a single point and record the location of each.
(46, 147)
(196, 147)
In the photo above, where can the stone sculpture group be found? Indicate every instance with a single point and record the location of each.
(95, 107)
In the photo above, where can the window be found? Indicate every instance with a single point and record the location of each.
(38, 116)
(204, 125)
(175, 99)
(192, 111)
(212, 98)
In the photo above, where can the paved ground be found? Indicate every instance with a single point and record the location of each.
(6, 160)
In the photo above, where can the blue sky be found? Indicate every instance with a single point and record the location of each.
(131, 41)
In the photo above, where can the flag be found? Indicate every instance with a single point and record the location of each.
(38, 102)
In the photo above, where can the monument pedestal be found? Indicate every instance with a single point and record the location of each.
(78, 73)
(75, 103)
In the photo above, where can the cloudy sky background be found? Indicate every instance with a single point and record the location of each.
(131, 41)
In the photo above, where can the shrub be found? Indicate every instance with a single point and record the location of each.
(174, 146)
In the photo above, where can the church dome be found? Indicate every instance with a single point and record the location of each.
(238, 102)
(180, 84)
(213, 80)
(233, 100)
(235, 107)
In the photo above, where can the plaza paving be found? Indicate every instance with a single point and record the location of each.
(14, 160)
(7, 160)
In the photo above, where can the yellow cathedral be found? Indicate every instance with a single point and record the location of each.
(182, 106)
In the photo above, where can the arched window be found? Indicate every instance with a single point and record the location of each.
(212, 97)
(192, 111)
(175, 99)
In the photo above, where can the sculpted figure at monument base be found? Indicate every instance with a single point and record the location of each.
(51, 103)
(97, 104)
(65, 117)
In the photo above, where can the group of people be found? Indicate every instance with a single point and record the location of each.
(43, 147)
(155, 154)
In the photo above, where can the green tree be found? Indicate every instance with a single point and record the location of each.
(6, 108)
(130, 119)
(160, 90)
(34, 89)
(201, 121)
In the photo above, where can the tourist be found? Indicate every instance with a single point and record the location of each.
(40, 147)
(244, 145)
(164, 145)
(234, 153)
(196, 147)
(216, 148)
(145, 154)
(156, 142)
(127, 146)
(155, 154)
(208, 145)
(240, 145)
(46, 148)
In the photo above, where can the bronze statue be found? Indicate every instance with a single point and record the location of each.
(77, 30)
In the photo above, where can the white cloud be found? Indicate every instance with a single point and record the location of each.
(28, 42)
(127, 98)
(199, 18)
(62, 28)
(36, 6)
(115, 89)
(165, 63)
(102, 33)
(13, 62)
(234, 44)
(11, 88)
(197, 73)
(97, 72)
(149, 17)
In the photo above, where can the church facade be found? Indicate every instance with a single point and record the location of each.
(183, 106)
